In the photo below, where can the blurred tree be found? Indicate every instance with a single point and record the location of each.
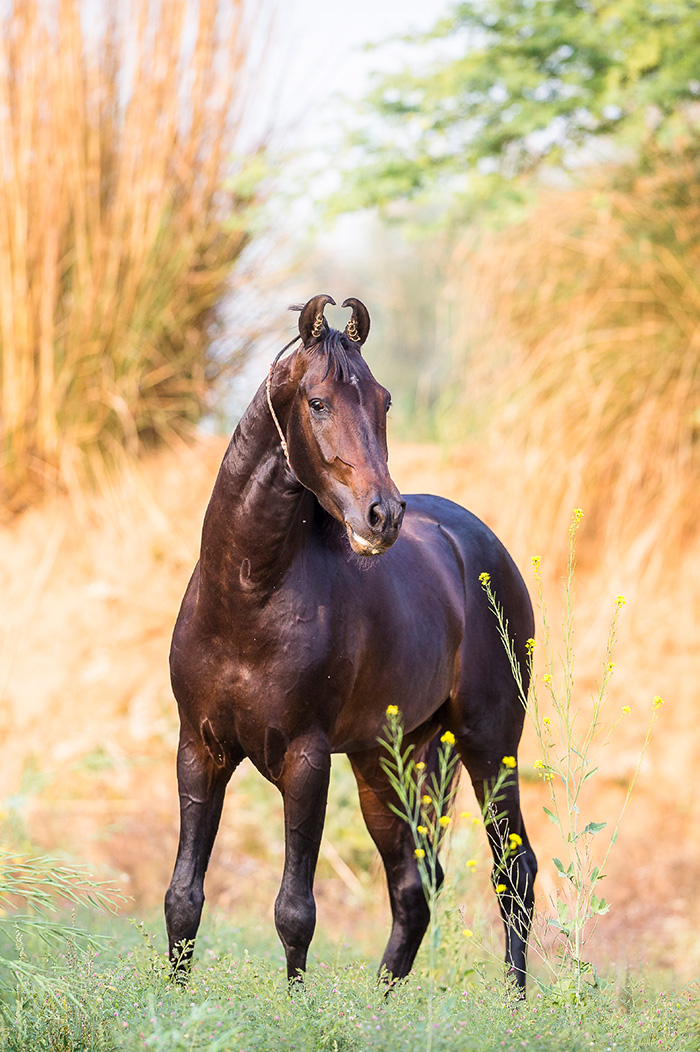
(527, 81)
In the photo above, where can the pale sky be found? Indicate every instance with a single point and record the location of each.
(317, 51)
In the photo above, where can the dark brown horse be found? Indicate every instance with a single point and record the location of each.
(321, 596)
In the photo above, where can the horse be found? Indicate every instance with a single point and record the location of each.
(321, 597)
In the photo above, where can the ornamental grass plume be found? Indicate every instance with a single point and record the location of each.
(577, 330)
(123, 214)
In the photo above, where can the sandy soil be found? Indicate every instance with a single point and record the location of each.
(90, 590)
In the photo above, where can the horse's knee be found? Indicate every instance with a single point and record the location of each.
(295, 918)
(183, 909)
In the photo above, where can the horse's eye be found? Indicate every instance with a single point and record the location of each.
(317, 405)
(388, 405)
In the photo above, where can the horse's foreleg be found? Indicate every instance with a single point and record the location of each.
(303, 782)
(394, 841)
(515, 864)
(201, 785)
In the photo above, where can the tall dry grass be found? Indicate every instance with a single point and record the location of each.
(582, 327)
(118, 233)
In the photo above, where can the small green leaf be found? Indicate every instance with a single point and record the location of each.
(551, 816)
(595, 827)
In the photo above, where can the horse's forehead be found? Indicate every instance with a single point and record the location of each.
(358, 386)
(359, 378)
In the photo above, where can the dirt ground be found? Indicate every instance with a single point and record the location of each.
(90, 589)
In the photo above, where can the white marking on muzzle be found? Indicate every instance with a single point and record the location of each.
(364, 544)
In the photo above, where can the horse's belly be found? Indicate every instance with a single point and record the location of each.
(417, 678)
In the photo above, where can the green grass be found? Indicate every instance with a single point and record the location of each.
(238, 1000)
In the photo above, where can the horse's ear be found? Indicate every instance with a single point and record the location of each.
(312, 324)
(357, 329)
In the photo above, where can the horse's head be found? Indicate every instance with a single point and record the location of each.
(336, 429)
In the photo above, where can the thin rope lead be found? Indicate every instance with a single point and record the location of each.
(283, 440)
(268, 385)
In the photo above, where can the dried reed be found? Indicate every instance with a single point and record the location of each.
(117, 235)
(582, 325)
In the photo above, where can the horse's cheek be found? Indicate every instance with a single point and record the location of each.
(327, 442)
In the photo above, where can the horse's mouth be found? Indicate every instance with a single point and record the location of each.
(361, 546)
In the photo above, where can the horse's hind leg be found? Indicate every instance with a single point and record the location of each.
(514, 868)
(201, 786)
(392, 835)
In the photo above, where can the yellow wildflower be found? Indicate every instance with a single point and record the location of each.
(420, 766)
(467, 933)
(485, 578)
(610, 666)
(419, 852)
(422, 830)
(515, 840)
(426, 800)
(626, 710)
(448, 738)
(657, 702)
(620, 601)
(547, 722)
(509, 761)
(577, 515)
(392, 710)
(530, 645)
(445, 820)
(500, 888)
(538, 765)
(471, 863)
(535, 560)
(547, 679)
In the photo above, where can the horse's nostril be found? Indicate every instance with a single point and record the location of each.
(376, 515)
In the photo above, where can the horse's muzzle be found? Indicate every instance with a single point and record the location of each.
(380, 528)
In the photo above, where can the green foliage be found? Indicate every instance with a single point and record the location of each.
(41, 885)
(526, 81)
(424, 801)
(239, 1000)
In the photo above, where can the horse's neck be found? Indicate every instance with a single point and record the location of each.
(258, 514)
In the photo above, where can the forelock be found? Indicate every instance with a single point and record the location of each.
(339, 355)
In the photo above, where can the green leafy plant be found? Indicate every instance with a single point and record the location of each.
(570, 748)
(40, 886)
(425, 802)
